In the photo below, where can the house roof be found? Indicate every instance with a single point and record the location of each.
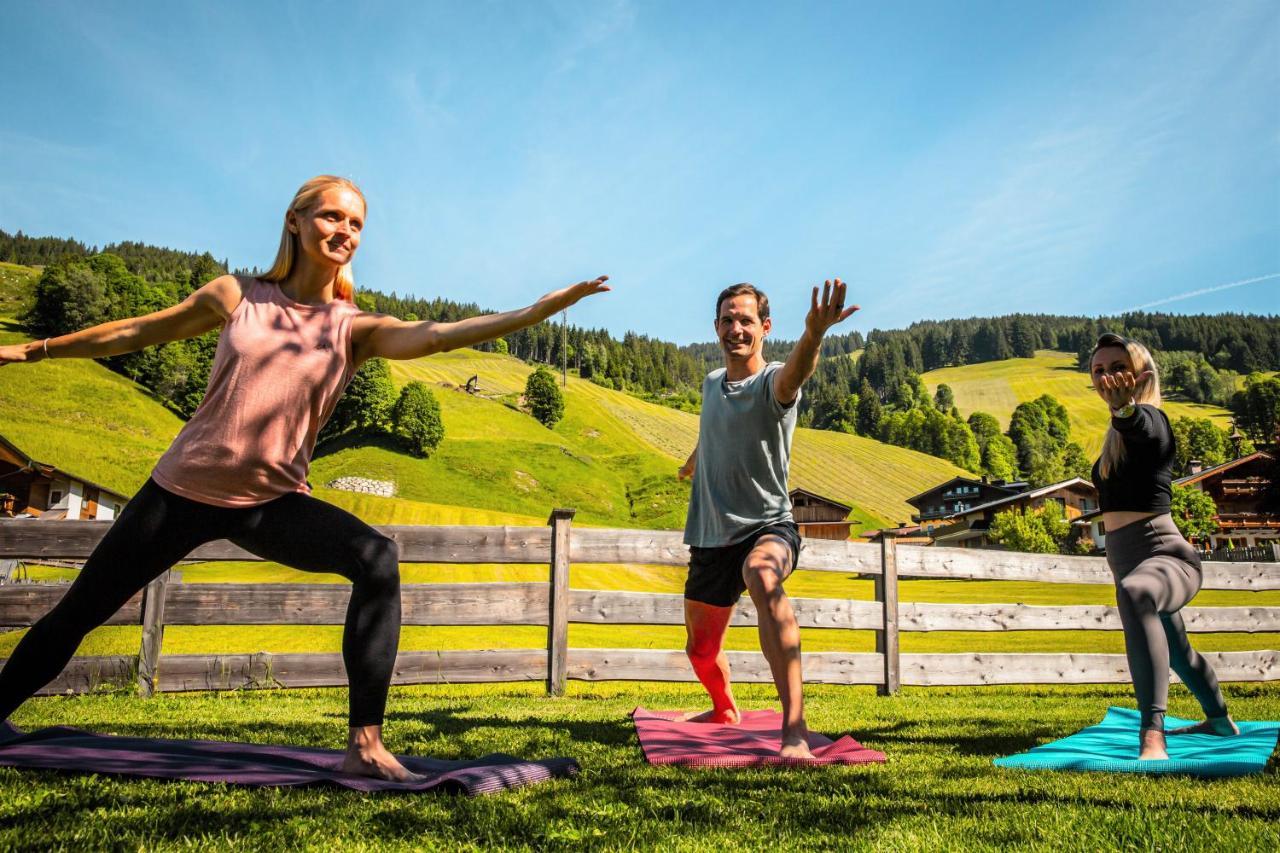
(912, 500)
(49, 470)
(961, 531)
(904, 532)
(1222, 467)
(1031, 495)
(822, 498)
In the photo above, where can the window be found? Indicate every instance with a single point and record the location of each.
(55, 497)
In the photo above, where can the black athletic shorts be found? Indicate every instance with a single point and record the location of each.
(715, 574)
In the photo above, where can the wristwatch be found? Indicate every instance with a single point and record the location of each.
(1125, 411)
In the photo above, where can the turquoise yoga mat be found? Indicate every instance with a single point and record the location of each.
(1112, 746)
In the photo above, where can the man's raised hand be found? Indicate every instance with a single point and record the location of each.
(830, 310)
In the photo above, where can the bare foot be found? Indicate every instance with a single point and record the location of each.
(795, 743)
(722, 716)
(1152, 746)
(368, 756)
(1220, 726)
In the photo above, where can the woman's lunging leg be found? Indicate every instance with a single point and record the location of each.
(155, 530)
(309, 534)
(1158, 586)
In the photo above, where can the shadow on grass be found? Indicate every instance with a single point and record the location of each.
(358, 438)
(455, 722)
(991, 744)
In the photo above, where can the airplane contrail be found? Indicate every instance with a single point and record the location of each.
(1203, 291)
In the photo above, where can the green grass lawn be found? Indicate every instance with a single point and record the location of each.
(997, 388)
(938, 790)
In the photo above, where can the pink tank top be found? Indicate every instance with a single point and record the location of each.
(277, 374)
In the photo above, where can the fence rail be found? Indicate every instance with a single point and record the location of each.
(1251, 554)
(555, 605)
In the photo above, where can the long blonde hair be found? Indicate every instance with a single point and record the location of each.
(286, 256)
(1146, 391)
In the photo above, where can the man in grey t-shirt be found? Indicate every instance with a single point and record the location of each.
(740, 532)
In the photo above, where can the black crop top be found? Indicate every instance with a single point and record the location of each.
(1141, 483)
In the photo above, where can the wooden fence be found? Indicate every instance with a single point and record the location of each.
(1251, 554)
(554, 604)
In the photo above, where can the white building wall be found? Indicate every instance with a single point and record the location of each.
(75, 500)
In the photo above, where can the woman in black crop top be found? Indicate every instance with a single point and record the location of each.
(1156, 570)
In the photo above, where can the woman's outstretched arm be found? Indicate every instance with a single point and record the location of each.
(384, 336)
(203, 310)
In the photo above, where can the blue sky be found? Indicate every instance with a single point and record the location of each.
(948, 159)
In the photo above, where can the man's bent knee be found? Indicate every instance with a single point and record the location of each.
(763, 576)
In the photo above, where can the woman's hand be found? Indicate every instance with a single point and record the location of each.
(384, 336)
(202, 311)
(19, 353)
(574, 293)
(1117, 388)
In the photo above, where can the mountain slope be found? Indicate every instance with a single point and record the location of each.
(613, 457)
(997, 387)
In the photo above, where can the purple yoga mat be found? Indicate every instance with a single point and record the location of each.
(257, 765)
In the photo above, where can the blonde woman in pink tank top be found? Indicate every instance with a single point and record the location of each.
(291, 340)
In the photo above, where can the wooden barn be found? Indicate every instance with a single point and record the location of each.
(32, 489)
(819, 517)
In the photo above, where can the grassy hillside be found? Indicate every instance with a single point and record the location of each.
(83, 418)
(15, 288)
(613, 457)
(76, 414)
(997, 387)
(647, 440)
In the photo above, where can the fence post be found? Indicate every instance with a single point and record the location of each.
(152, 634)
(558, 605)
(887, 595)
(6, 570)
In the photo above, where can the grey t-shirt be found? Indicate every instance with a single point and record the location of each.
(744, 449)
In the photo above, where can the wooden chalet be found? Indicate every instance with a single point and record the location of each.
(819, 517)
(1239, 487)
(968, 527)
(957, 495)
(33, 489)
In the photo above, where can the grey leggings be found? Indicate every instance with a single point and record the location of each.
(1157, 572)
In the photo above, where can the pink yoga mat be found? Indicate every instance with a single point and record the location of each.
(666, 739)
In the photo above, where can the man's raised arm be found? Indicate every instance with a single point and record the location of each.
(804, 358)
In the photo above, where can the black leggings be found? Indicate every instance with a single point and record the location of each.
(158, 528)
